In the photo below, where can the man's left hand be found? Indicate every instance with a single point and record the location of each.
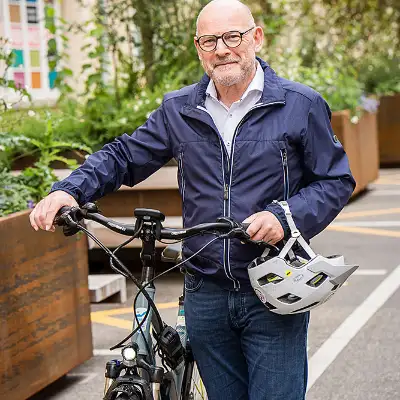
(264, 226)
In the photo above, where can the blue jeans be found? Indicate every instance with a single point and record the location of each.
(244, 351)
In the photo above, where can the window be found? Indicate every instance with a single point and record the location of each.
(22, 22)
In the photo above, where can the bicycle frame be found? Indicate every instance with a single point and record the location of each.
(175, 382)
(175, 377)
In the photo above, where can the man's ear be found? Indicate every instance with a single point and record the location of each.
(258, 38)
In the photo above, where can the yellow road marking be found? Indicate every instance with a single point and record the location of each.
(367, 213)
(128, 310)
(110, 321)
(366, 231)
(104, 316)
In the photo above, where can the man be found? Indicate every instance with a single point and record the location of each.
(242, 139)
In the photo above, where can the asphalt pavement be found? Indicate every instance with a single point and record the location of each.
(354, 347)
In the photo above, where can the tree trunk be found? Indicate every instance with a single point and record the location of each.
(143, 20)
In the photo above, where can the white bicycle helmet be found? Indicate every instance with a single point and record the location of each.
(290, 284)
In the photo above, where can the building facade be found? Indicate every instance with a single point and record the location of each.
(22, 23)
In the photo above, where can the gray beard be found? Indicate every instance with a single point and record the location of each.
(230, 80)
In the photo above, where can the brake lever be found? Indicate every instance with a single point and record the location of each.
(69, 218)
(239, 232)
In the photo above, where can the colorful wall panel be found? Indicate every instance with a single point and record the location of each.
(19, 79)
(22, 22)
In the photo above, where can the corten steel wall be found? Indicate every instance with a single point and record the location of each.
(389, 130)
(360, 142)
(44, 306)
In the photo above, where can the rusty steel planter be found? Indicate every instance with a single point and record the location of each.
(360, 142)
(389, 130)
(44, 306)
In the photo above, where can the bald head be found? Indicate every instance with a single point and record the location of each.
(223, 10)
(228, 26)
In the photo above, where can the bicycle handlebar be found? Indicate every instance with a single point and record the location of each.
(69, 217)
(149, 228)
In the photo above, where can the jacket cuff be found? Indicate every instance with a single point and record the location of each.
(72, 190)
(279, 213)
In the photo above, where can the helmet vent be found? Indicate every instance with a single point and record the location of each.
(317, 280)
(258, 261)
(289, 298)
(270, 306)
(269, 278)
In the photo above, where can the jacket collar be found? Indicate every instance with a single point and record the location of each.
(273, 90)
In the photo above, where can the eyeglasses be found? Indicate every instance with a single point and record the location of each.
(231, 39)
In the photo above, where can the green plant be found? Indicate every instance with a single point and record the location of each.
(339, 86)
(381, 76)
(15, 194)
(47, 147)
(24, 129)
(104, 120)
(34, 182)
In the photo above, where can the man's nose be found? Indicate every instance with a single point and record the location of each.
(222, 48)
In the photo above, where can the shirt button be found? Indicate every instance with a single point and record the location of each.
(230, 115)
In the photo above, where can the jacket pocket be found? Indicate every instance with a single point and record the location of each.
(285, 169)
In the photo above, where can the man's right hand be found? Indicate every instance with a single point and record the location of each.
(43, 214)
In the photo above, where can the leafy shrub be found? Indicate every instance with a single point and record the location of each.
(104, 120)
(28, 133)
(338, 85)
(15, 193)
(381, 76)
(21, 191)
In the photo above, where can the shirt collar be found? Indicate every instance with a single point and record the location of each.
(257, 84)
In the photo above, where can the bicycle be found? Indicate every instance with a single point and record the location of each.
(138, 376)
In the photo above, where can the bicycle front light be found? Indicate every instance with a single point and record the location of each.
(129, 355)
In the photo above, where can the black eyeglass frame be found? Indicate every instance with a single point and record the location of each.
(222, 37)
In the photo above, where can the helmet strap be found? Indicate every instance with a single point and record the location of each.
(295, 235)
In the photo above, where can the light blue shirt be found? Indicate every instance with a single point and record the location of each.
(227, 119)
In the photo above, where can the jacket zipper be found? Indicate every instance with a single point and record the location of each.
(226, 191)
(285, 174)
(227, 186)
(237, 283)
(226, 199)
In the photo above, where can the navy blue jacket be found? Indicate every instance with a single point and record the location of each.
(284, 148)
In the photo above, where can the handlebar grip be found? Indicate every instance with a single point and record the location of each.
(245, 226)
(58, 220)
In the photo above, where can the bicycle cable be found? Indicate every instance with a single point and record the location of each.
(120, 247)
(121, 272)
(158, 276)
(129, 274)
(141, 287)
